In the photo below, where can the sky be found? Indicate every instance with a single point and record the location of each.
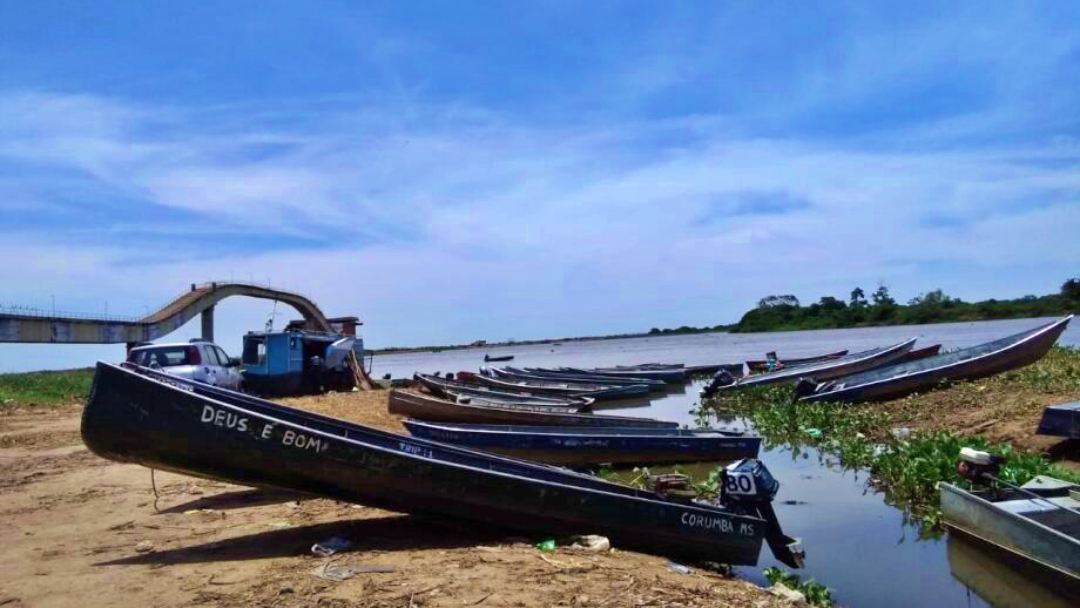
(453, 171)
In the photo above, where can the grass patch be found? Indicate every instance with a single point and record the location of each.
(45, 388)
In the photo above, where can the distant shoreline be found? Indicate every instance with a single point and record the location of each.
(663, 333)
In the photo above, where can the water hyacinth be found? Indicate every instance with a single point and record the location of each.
(906, 466)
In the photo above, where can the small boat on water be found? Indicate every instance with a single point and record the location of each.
(1062, 420)
(834, 368)
(598, 392)
(759, 365)
(969, 363)
(578, 378)
(1038, 521)
(171, 424)
(589, 445)
(455, 391)
(425, 407)
(488, 358)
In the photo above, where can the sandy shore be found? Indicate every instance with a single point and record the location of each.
(82, 530)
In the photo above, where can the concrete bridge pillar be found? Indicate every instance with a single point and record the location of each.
(208, 324)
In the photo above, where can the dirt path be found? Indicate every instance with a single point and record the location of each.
(79, 529)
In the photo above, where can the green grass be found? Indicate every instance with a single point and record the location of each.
(907, 468)
(45, 388)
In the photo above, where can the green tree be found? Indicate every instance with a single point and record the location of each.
(858, 298)
(881, 296)
(1071, 289)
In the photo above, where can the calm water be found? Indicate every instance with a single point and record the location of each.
(855, 543)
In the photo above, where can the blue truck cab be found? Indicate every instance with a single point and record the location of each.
(297, 361)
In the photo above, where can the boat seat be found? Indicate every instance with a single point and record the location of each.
(1060, 513)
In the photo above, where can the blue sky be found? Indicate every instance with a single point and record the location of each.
(453, 171)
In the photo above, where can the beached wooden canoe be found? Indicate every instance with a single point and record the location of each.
(760, 365)
(425, 407)
(454, 390)
(834, 368)
(969, 363)
(921, 353)
(576, 378)
(598, 392)
(175, 425)
(591, 445)
(668, 375)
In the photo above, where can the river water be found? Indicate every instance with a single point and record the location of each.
(856, 544)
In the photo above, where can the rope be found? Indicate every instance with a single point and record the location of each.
(153, 484)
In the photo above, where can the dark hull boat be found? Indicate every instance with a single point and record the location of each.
(424, 407)
(598, 392)
(583, 446)
(502, 358)
(849, 364)
(757, 365)
(197, 430)
(578, 378)
(969, 363)
(1062, 420)
(922, 353)
(670, 376)
(456, 391)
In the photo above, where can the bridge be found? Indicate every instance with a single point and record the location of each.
(43, 327)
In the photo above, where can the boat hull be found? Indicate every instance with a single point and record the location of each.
(247, 441)
(577, 446)
(980, 519)
(1061, 420)
(562, 388)
(834, 368)
(436, 410)
(906, 378)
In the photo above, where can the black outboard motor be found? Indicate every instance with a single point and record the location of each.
(749, 487)
(722, 378)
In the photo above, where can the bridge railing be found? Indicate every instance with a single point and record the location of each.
(29, 311)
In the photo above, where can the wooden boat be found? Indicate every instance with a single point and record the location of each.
(670, 376)
(589, 445)
(598, 392)
(454, 390)
(759, 365)
(1044, 531)
(189, 428)
(974, 362)
(501, 358)
(424, 407)
(579, 378)
(1062, 420)
(848, 364)
(921, 353)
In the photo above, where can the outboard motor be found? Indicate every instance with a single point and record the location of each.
(749, 487)
(977, 465)
(806, 387)
(722, 378)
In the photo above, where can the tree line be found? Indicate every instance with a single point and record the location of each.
(785, 312)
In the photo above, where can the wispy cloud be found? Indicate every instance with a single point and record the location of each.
(672, 176)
